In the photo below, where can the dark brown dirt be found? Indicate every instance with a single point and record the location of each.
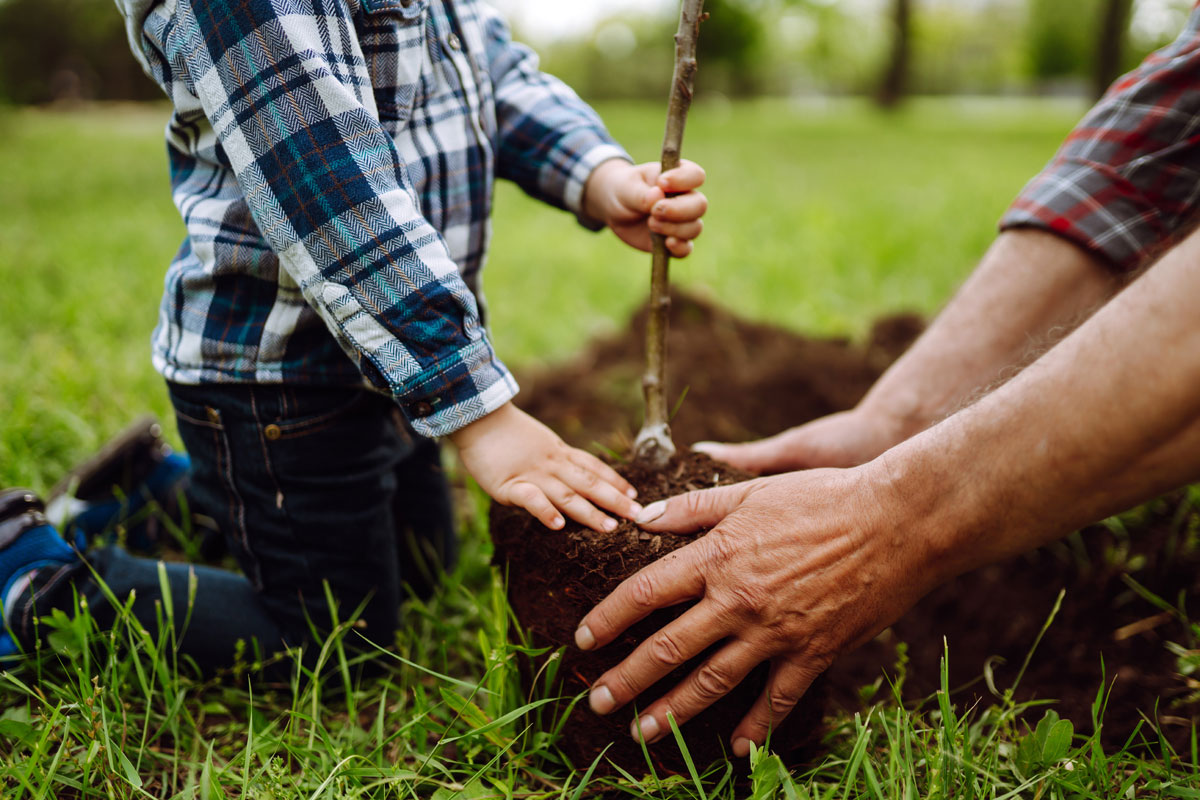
(554, 578)
(748, 380)
(993, 615)
(743, 380)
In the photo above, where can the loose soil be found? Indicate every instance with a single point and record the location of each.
(554, 578)
(738, 380)
(747, 380)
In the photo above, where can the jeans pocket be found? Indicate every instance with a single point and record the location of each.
(216, 486)
(300, 411)
(323, 437)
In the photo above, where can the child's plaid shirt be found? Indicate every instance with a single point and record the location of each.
(333, 161)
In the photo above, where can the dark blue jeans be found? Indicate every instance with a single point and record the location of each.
(309, 486)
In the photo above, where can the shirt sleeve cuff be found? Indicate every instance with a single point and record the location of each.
(451, 396)
(577, 174)
(1095, 207)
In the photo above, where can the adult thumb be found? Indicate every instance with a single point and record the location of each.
(763, 456)
(689, 512)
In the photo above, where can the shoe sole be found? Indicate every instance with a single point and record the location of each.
(18, 501)
(123, 461)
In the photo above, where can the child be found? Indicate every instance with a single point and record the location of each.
(333, 161)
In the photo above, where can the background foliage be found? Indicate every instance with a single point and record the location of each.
(76, 49)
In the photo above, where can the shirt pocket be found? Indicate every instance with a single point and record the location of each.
(393, 39)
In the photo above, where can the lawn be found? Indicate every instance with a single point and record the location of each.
(822, 217)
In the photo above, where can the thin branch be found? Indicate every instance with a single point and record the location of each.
(653, 445)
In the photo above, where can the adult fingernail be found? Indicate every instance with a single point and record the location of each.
(645, 729)
(584, 639)
(557, 523)
(741, 747)
(659, 209)
(652, 512)
(609, 524)
(601, 700)
(631, 492)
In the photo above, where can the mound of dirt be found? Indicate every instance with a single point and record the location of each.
(747, 380)
(556, 578)
(742, 379)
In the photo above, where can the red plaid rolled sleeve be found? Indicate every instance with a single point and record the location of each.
(1126, 182)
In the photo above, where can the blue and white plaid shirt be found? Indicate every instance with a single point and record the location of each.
(354, 143)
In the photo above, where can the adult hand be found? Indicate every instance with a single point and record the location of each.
(845, 439)
(636, 201)
(798, 569)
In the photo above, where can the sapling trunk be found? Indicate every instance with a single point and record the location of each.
(653, 445)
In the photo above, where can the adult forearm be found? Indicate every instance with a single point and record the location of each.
(1105, 419)
(1029, 287)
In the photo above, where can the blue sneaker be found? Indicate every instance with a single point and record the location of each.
(132, 482)
(28, 542)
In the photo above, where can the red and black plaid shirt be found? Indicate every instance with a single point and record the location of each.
(1126, 182)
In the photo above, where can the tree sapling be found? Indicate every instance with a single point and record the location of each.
(653, 447)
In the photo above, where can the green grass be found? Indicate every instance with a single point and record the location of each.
(822, 218)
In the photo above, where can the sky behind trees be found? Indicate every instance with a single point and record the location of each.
(71, 50)
(547, 20)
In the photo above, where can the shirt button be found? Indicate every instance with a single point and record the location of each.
(454, 42)
(214, 416)
(422, 409)
(272, 432)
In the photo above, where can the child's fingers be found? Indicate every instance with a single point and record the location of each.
(590, 462)
(687, 176)
(680, 248)
(592, 482)
(680, 230)
(684, 208)
(529, 497)
(639, 195)
(572, 503)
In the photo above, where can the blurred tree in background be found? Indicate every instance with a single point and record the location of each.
(895, 75)
(55, 50)
(67, 50)
(1110, 49)
(731, 48)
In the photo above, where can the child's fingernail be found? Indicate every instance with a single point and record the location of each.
(645, 729)
(584, 639)
(601, 700)
(652, 512)
(741, 747)
(609, 524)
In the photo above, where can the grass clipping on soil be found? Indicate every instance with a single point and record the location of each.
(555, 577)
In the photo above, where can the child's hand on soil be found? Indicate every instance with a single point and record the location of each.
(520, 462)
(636, 201)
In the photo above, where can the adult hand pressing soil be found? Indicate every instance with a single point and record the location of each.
(801, 567)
